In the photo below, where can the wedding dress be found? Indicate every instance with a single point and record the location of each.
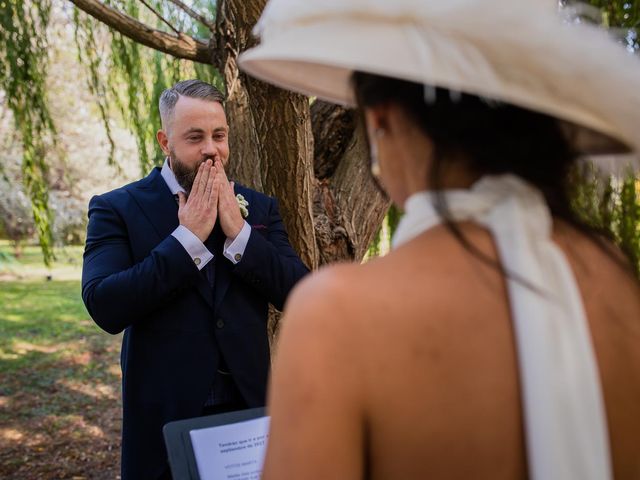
(565, 424)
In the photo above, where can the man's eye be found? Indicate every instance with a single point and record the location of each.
(193, 139)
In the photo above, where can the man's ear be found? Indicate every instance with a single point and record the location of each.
(163, 140)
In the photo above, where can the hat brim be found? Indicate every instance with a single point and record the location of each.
(318, 59)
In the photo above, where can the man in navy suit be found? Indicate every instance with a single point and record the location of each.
(175, 262)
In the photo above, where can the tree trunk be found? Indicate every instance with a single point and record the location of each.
(232, 36)
(352, 204)
(328, 200)
(272, 130)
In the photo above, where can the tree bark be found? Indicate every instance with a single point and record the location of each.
(349, 207)
(272, 140)
(232, 34)
(283, 122)
(333, 127)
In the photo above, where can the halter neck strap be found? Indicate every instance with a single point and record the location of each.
(566, 430)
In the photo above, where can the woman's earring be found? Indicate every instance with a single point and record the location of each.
(375, 164)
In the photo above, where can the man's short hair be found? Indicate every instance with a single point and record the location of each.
(187, 88)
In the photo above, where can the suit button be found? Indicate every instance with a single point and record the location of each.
(220, 323)
(237, 257)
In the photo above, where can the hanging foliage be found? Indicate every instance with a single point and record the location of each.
(23, 72)
(619, 14)
(124, 78)
(132, 77)
(612, 205)
(91, 54)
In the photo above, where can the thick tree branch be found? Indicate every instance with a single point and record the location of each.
(195, 15)
(180, 46)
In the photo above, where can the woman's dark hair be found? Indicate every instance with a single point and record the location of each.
(491, 137)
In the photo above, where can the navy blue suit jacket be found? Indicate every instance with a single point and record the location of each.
(138, 278)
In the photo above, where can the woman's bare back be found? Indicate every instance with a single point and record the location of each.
(424, 361)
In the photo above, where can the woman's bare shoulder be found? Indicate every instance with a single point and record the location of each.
(324, 296)
(315, 389)
(328, 311)
(432, 269)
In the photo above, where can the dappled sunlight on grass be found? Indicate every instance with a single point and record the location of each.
(21, 348)
(114, 370)
(70, 318)
(42, 317)
(66, 406)
(11, 434)
(74, 424)
(8, 356)
(67, 266)
(60, 410)
(96, 390)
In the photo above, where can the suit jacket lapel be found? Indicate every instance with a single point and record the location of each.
(159, 205)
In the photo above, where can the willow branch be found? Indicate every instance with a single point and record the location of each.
(180, 46)
(162, 19)
(195, 15)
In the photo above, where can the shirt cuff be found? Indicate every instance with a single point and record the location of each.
(234, 249)
(194, 247)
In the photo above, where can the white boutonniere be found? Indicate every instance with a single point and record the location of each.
(243, 204)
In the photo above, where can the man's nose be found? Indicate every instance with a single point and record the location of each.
(208, 148)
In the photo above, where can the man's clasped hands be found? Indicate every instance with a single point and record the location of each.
(211, 198)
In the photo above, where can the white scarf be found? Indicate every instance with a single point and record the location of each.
(565, 422)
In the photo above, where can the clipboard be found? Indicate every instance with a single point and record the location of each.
(177, 439)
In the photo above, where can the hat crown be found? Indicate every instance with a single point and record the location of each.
(521, 52)
(279, 14)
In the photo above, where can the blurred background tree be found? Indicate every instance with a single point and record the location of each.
(607, 190)
(310, 155)
(619, 14)
(330, 210)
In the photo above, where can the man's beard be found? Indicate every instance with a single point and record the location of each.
(184, 174)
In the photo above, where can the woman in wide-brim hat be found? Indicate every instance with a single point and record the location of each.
(501, 336)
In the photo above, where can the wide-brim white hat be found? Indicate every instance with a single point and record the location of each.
(516, 51)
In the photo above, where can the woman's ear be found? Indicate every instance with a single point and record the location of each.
(376, 118)
(377, 122)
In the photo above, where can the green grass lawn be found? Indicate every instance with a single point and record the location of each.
(67, 266)
(59, 374)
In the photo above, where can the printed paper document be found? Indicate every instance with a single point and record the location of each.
(231, 452)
